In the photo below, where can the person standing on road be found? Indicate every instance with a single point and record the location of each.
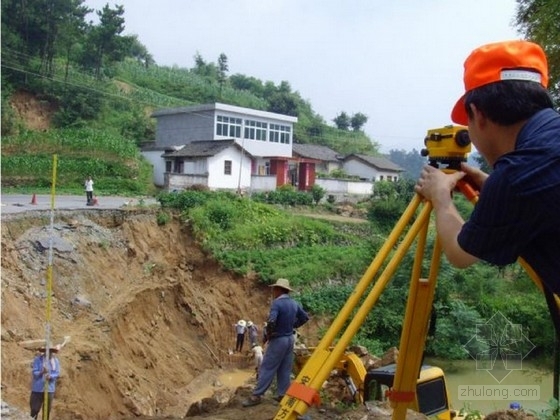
(285, 315)
(44, 372)
(88, 185)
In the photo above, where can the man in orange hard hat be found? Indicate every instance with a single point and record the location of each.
(513, 125)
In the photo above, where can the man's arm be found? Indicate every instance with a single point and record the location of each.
(301, 317)
(436, 186)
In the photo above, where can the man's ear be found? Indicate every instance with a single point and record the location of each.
(478, 117)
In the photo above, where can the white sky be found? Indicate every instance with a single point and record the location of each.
(399, 62)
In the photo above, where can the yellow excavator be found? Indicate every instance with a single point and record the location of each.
(373, 385)
(407, 384)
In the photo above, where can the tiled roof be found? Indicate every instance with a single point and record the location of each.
(315, 151)
(204, 148)
(378, 162)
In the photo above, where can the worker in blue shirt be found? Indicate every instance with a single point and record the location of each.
(285, 315)
(44, 372)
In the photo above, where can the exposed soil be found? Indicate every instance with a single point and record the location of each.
(149, 315)
(35, 113)
(146, 310)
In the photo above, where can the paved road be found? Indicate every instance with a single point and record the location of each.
(19, 203)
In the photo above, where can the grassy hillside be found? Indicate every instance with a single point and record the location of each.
(116, 109)
(113, 161)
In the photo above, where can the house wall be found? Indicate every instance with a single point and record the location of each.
(178, 182)
(182, 128)
(342, 187)
(259, 147)
(260, 183)
(195, 167)
(331, 166)
(356, 168)
(240, 176)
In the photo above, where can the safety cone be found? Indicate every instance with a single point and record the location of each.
(34, 200)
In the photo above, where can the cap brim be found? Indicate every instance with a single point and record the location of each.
(459, 114)
(281, 287)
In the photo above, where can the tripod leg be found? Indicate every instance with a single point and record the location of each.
(415, 329)
(314, 373)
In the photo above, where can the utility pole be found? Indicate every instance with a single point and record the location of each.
(242, 156)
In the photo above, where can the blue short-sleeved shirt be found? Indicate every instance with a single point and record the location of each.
(518, 212)
(286, 314)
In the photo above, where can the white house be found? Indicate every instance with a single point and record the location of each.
(263, 137)
(371, 168)
(216, 164)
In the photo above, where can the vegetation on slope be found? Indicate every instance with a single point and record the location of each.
(325, 259)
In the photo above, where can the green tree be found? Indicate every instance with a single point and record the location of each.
(358, 120)
(281, 99)
(106, 44)
(204, 69)
(251, 84)
(135, 49)
(538, 21)
(342, 121)
(72, 33)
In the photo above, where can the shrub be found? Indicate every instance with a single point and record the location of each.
(317, 192)
(162, 218)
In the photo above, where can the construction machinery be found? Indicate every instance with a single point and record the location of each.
(407, 385)
(372, 386)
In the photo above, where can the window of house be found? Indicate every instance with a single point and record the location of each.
(389, 178)
(264, 169)
(179, 166)
(227, 167)
(280, 133)
(168, 165)
(228, 126)
(255, 130)
(381, 177)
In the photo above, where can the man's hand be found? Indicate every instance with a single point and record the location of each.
(436, 186)
(474, 176)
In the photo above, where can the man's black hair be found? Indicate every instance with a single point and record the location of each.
(509, 101)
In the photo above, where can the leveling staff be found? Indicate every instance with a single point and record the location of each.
(513, 125)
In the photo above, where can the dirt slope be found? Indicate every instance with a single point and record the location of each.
(146, 310)
(149, 316)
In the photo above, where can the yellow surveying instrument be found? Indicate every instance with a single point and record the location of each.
(410, 384)
(448, 145)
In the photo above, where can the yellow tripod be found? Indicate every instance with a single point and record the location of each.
(304, 391)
